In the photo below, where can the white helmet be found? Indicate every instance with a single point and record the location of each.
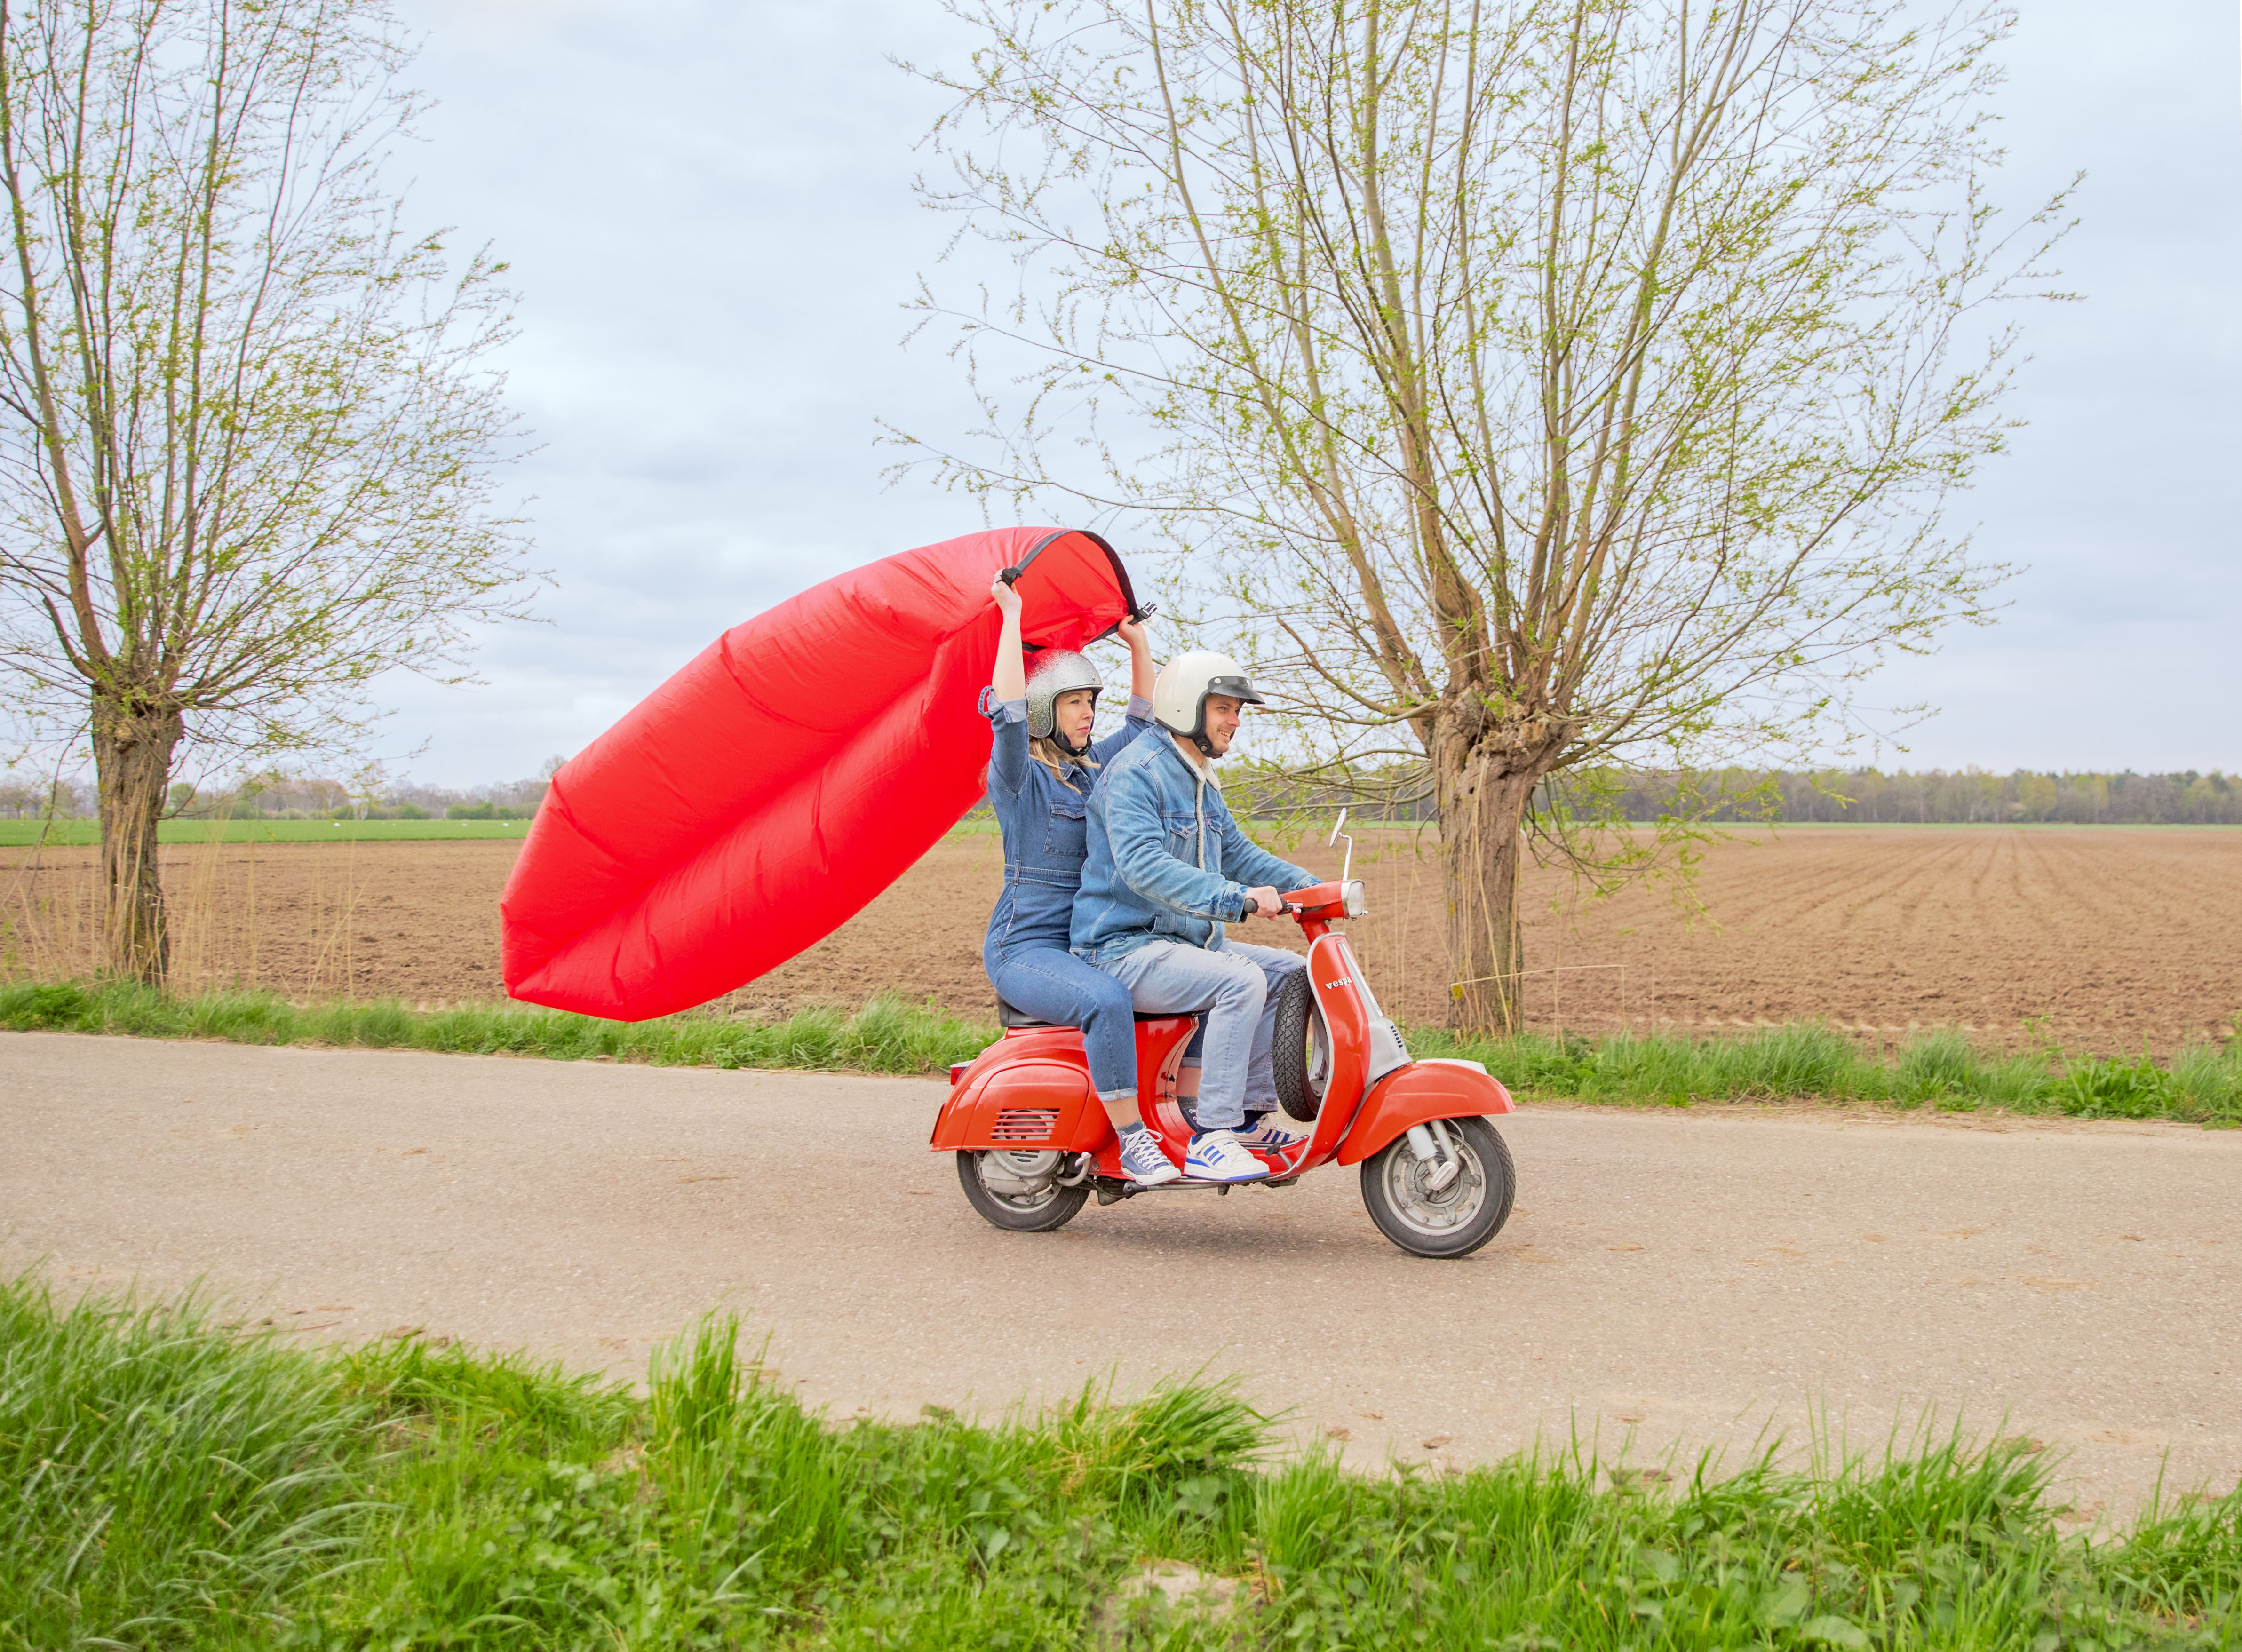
(1058, 671)
(1180, 693)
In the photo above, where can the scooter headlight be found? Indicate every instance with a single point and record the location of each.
(1353, 901)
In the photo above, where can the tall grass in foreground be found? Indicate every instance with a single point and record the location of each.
(156, 1473)
(1937, 1069)
(164, 1481)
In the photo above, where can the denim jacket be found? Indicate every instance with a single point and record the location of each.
(1044, 825)
(1166, 857)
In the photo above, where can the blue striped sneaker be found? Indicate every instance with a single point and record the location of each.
(1215, 1155)
(1265, 1135)
(1145, 1160)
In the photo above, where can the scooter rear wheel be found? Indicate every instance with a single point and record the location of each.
(1449, 1221)
(1040, 1211)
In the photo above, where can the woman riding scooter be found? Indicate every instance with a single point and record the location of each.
(1041, 765)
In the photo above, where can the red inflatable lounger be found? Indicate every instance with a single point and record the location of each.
(759, 798)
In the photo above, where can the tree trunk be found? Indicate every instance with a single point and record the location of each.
(1483, 796)
(132, 747)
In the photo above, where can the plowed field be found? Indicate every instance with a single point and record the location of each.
(2109, 938)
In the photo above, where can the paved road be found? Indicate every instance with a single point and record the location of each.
(1692, 1277)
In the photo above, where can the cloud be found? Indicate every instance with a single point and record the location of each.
(2122, 493)
(708, 209)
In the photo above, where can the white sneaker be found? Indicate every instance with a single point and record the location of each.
(1267, 1136)
(1146, 1161)
(1215, 1155)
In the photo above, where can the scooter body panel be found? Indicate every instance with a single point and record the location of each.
(1332, 977)
(1417, 1094)
(1032, 1099)
(1031, 1090)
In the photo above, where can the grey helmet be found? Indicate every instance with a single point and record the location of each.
(1057, 671)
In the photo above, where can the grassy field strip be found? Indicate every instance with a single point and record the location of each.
(1970, 825)
(174, 1482)
(1939, 1070)
(80, 834)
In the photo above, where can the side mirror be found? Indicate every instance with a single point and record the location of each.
(1347, 869)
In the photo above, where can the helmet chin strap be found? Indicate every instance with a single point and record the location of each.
(1198, 734)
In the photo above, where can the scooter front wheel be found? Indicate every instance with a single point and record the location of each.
(1427, 1214)
(1020, 1191)
(1300, 1056)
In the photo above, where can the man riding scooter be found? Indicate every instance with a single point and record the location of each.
(1167, 868)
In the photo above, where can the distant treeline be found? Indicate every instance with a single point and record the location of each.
(1863, 796)
(1866, 797)
(1962, 797)
(294, 798)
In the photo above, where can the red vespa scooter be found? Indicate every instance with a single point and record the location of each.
(1033, 1144)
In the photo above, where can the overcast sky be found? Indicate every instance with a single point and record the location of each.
(709, 213)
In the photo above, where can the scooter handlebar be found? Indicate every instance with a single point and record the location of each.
(1328, 900)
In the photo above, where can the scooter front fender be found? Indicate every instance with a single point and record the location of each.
(1417, 1094)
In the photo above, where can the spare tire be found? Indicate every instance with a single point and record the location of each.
(1300, 1058)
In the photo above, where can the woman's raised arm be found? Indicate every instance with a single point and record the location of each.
(1010, 681)
(1141, 670)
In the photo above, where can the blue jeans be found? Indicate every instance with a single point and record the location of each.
(1052, 985)
(1236, 984)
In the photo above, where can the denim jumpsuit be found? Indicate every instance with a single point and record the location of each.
(1026, 951)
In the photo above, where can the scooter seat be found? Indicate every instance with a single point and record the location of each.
(1012, 1016)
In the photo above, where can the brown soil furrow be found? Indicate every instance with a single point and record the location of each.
(2114, 938)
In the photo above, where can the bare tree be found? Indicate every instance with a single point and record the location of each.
(246, 433)
(1527, 384)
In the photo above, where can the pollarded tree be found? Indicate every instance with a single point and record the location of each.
(247, 433)
(1529, 386)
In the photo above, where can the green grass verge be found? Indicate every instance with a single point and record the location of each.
(1939, 1070)
(169, 1482)
(886, 1036)
(22, 834)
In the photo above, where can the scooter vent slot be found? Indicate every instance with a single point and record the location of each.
(1025, 1124)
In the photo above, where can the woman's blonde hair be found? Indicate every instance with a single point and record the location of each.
(1047, 753)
